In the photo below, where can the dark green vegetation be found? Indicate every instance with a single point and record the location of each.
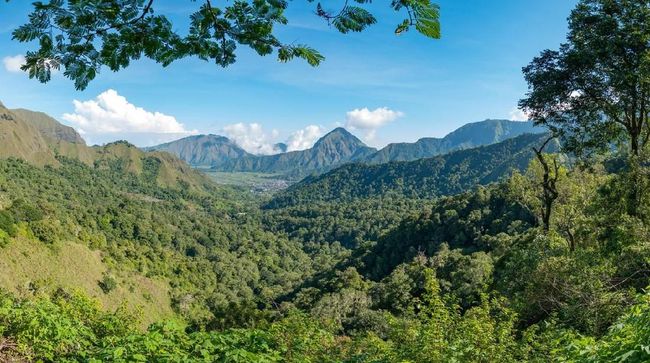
(425, 178)
(510, 252)
(399, 272)
(83, 37)
(336, 148)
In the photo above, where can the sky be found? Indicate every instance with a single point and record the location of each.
(382, 87)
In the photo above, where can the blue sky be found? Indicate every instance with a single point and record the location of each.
(417, 86)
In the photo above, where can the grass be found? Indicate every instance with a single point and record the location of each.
(27, 265)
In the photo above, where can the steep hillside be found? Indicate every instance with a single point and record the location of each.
(336, 148)
(468, 136)
(40, 140)
(163, 168)
(50, 128)
(203, 150)
(443, 175)
(20, 139)
(63, 140)
(193, 252)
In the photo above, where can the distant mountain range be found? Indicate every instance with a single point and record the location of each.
(337, 148)
(41, 140)
(466, 137)
(446, 174)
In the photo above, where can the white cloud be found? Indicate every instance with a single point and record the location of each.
(110, 117)
(517, 114)
(252, 138)
(13, 64)
(370, 121)
(305, 138)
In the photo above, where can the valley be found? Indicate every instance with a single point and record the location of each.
(184, 200)
(153, 239)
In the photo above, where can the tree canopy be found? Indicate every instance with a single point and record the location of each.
(595, 90)
(83, 36)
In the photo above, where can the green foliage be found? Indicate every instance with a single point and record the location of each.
(48, 231)
(189, 237)
(424, 178)
(588, 91)
(113, 33)
(108, 283)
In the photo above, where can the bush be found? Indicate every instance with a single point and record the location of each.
(108, 283)
(48, 231)
(7, 223)
(4, 238)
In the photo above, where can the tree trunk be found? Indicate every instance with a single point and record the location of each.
(634, 179)
(549, 186)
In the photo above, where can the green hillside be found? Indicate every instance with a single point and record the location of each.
(138, 257)
(425, 178)
(23, 140)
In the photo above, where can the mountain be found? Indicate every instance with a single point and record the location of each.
(50, 128)
(468, 136)
(20, 139)
(447, 174)
(62, 140)
(203, 150)
(336, 148)
(40, 140)
(280, 146)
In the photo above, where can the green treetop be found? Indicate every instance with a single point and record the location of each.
(83, 36)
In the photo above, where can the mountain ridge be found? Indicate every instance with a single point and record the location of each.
(446, 174)
(40, 140)
(335, 148)
(470, 135)
(206, 150)
(338, 147)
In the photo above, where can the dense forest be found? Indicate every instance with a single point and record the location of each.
(468, 277)
(530, 249)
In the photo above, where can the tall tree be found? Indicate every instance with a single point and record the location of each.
(595, 90)
(83, 36)
(549, 185)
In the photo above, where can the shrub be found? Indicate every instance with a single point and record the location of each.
(108, 283)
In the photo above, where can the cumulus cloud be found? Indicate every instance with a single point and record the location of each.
(305, 138)
(252, 138)
(518, 115)
(111, 116)
(13, 64)
(370, 121)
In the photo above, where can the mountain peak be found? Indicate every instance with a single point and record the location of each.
(340, 131)
(203, 150)
(339, 136)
